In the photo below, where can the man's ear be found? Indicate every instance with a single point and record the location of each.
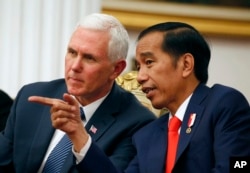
(188, 64)
(120, 65)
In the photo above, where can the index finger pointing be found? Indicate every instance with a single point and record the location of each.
(43, 100)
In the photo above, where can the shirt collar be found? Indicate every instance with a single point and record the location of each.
(182, 109)
(91, 108)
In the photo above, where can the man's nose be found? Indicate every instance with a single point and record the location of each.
(77, 64)
(141, 76)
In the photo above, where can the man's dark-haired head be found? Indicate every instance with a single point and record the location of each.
(180, 38)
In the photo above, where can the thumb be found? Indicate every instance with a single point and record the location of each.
(70, 100)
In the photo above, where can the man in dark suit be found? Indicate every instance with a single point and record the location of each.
(5, 104)
(172, 62)
(95, 57)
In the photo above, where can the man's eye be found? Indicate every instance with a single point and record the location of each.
(148, 62)
(89, 57)
(72, 52)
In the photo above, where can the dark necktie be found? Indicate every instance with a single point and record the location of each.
(58, 155)
(173, 137)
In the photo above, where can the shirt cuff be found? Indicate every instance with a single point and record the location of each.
(80, 156)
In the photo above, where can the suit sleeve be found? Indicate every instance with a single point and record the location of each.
(96, 161)
(231, 130)
(6, 151)
(5, 105)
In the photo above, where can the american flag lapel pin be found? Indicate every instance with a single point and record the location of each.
(190, 122)
(93, 129)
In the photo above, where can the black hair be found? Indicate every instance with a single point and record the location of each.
(180, 38)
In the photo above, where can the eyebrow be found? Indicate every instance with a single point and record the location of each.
(146, 54)
(71, 49)
(143, 56)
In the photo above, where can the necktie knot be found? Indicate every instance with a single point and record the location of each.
(174, 124)
(83, 117)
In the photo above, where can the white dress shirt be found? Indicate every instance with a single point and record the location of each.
(181, 110)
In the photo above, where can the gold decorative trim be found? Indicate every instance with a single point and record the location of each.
(219, 21)
(128, 82)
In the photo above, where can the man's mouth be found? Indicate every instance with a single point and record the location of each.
(74, 79)
(147, 89)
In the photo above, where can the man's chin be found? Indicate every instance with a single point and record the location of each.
(74, 92)
(157, 105)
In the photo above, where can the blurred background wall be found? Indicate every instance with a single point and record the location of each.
(34, 35)
(226, 27)
(33, 38)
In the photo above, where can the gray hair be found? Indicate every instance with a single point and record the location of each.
(119, 39)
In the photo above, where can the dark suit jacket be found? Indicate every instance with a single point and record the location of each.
(5, 105)
(220, 131)
(28, 131)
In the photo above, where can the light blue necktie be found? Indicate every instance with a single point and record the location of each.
(58, 155)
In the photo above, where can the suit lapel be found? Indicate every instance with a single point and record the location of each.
(44, 133)
(157, 154)
(194, 107)
(98, 124)
(41, 140)
(186, 136)
(104, 117)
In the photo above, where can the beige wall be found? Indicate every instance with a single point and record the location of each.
(230, 63)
